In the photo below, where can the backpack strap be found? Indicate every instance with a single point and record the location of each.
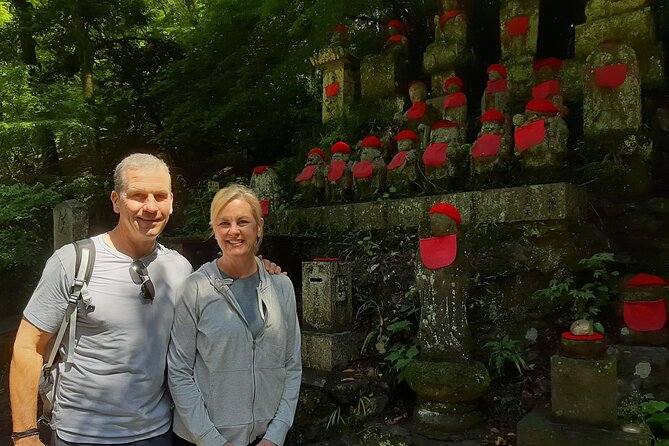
(84, 262)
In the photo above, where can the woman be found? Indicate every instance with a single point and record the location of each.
(234, 365)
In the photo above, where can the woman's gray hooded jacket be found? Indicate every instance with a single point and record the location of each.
(226, 386)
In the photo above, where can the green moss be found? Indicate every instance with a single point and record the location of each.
(448, 381)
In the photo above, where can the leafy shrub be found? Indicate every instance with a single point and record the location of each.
(506, 351)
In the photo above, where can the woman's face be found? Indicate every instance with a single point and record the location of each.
(236, 230)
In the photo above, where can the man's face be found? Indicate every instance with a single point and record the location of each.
(145, 205)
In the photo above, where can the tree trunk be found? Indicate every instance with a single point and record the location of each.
(85, 52)
(24, 13)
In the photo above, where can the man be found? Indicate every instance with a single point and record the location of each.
(114, 391)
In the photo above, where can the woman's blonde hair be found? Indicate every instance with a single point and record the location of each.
(233, 192)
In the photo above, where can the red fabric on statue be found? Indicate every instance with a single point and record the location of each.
(260, 169)
(363, 169)
(371, 141)
(307, 174)
(545, 89)
(447, 209)
(553, 62)
(336, 170)
(647, 280)
(454, 100)
(573, 337)
(438, 252)
(530, 135)
(395, 39)
(492, 114)
(332, 90)
(645, 316)
(398, 160)
(416, 111)
(541, 106)
(448, 15)
(517, 26)
(610, 76)
(486, 145)
(435, 154)
(496, 86)
(264, 207)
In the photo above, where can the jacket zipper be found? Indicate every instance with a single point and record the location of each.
(253, 397)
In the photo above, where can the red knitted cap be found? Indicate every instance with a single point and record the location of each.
(406, 134)
(260, 169)
(541, 106)
(318, 152)
(647, 280)
(448, 210)
(453, 80)
(552, 62)
(371, 141)
(497, 67)
(492, 114)
(340, 147)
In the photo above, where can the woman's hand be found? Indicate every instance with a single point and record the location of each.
(266, 442)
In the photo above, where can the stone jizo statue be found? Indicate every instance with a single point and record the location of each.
(541, 135)
(369, 173)
(496, 93)
(311, 180)
(265, 183)
(338, 174)
(492, 149)
(446, 159)
(403, 171)
(454, 107)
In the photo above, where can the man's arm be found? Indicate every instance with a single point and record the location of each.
(30, 347)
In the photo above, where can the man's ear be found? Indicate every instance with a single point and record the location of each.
(114, 199)
(171, 203)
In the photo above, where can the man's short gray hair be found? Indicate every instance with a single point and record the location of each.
(135, 161)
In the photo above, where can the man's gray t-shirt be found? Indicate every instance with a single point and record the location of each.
(115, 391)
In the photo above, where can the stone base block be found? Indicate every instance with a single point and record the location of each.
(328, 351)
(448, 417)
(538, 429)
(584, 390)
(383, 75)
(643, 368)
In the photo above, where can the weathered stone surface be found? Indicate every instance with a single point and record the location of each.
(453, 419)
(621, 179)
(522, 47)
(584, 390)
(267, 187)
(643, 368)
(450, 382)
(445, 56)
(538, 429)
(541, 202)
(597, 9)
(70, 222)
(327, 296)
(345, 73)
(328, 351)
(570, 77)
(383, 75)
(521, 81)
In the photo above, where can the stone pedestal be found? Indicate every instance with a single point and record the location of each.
(326, 296)
(70, 223)
(584, 391)
(328, 351)
(383, 75)
(341, 80)
(539, 429)
(644, 369)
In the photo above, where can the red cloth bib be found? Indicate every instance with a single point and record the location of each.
(486, 145)
(530, 135)
(454, 100)
(438, 252)
(448, 15)
(435, 154)
(307, 174)
(573, 337)
(264, 207)
(496, 86)
(363, 169)
(545, 89)
(645, 316)
(417, 111)
(395, 39)
(332, 90)
(611, 76)
(398, 160)
(260, 169)
(336, 170)
(517, 26)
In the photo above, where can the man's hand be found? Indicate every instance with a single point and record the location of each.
(266, 442)
(33, 440)
(271, 267)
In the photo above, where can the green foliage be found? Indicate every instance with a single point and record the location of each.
(335, 418)
(656, 415)
(26, 224)
(506, 351)
(588, 294)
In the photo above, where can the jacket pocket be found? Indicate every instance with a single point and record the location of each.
(230, 398)
(270, 383)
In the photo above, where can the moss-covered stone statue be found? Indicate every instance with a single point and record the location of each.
(518, 31)
(448, 382)
(547, 85)
(403, 173)
(541, 137)
(421, 115)
(454, 106)
(449, 50)
(339, 176)
(369, 173)
(496, 93)
(446, 159)
(612, 91)
(265, 183)
(385, 75)
(492, 151)
(311, 181)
